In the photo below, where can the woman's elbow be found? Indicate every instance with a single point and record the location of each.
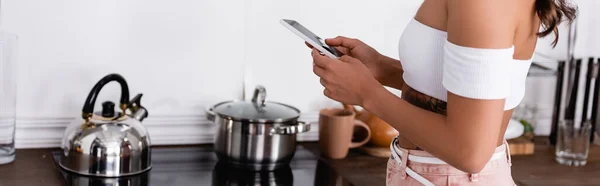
(472, 166)
(474, 163)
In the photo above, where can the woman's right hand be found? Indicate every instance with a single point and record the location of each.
(359, 50)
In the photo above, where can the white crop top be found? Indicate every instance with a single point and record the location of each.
(434, 66)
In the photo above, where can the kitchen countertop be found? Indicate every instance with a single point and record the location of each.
(34, 167)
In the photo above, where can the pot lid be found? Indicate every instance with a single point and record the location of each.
(257, 110)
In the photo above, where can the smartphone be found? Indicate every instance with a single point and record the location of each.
(311, 38)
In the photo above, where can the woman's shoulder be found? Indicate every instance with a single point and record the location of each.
(491, 6)
(484, 23)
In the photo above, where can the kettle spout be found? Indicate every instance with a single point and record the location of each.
(140, 114)
(138, 111)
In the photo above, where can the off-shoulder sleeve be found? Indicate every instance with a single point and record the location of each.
(477, 73)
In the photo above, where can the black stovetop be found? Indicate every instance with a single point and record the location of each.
(198, 166)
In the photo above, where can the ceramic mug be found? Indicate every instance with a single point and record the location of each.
(382, 133)
(340, 131)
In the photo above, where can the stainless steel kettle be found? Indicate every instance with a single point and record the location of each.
(108, 143)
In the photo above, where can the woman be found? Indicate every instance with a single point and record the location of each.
(462, 71)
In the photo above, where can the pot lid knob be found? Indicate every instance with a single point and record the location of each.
(260, 94)
(108, 109)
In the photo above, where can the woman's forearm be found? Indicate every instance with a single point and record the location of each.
(466, 148)
(390, 72)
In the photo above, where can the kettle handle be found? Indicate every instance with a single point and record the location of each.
(88, 107)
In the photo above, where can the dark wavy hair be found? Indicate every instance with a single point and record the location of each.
(552, 13)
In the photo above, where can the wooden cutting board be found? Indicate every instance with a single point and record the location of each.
(521, 146)
(382, 152)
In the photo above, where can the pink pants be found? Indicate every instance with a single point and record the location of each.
(425, 169)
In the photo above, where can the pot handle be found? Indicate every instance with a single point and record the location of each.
(291, 129)
(210, 114)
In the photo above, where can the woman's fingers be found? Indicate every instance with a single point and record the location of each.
(327, 93)
(323, 82)
(347, 58)
(308, 45)
(315, 53)
(318, 71)
(320, 60)
(344, 42)
(342, 50)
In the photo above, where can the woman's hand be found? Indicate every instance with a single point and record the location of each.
(386, 70)
(356, 49)
(345, 79)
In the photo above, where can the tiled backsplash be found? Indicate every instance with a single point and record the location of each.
(539, 98)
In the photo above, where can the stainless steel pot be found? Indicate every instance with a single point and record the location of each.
(258, 135)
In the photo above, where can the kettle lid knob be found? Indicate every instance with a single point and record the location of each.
(108, 109)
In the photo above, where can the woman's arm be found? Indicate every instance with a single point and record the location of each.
(466, 137)
(390, 73)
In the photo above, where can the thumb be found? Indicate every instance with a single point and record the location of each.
(348, 59)
(343, 41)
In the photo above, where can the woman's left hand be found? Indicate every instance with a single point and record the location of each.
(345, 79)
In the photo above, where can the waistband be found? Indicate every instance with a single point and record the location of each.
(501, 157)
(420, 156)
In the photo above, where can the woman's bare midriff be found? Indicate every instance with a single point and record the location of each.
(432, 104)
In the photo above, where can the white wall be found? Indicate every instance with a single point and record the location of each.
(183, 55)
(177, 53)
(287, 72)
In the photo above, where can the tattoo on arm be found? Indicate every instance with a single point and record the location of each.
(423, 101)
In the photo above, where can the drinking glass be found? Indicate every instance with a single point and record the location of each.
(573, 142)
(8, 93)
